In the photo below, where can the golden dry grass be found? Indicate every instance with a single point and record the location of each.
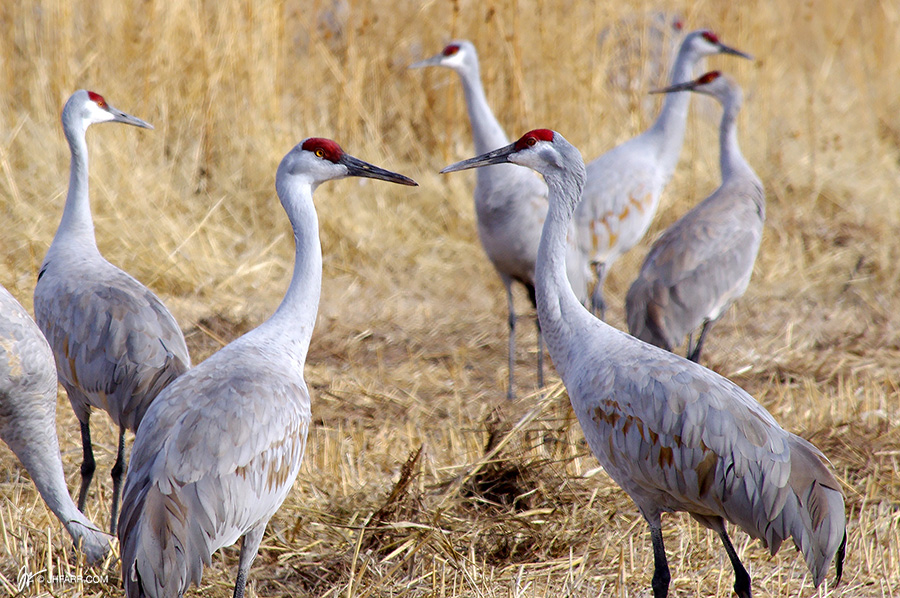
(409, 350)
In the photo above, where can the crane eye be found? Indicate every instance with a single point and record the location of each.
(97, 99)
(531, 141)
(320, 152)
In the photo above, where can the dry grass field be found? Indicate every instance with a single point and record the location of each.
(420, 478)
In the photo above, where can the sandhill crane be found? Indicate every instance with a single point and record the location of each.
(219, 449)
(639, 47)
(510, 202)
(624, 185)
(28, 420)
(115, 343)
(673, 434)
(703, 262)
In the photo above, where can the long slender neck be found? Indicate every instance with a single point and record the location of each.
(76, 222)
(731, 160)
(486, 130)
(296, 316)
(670, 124)
(41, 460)
(557, 305)
(488, 135)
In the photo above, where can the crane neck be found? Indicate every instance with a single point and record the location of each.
(559, 310)
(486, 130)
(731, 160)
(295, 317)
(487, 135)
(76, 222)
(669, 126)
(38, 451)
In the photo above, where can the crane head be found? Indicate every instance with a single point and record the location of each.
(714, 83)
(458, 54)
(90, 107)
(316, 160)
(542, 150)
(534, 149)
(707, 43)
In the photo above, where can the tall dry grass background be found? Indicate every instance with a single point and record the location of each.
(409, 350)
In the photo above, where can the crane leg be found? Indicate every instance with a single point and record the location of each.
(511, 393)
(87, 463)
(118, 472)
(540, 338)
(694, 354)
(540, 355)
(249, 547)
(661, 576)
(598, 304)
(741, 577)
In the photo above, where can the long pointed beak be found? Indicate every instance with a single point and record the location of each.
(497, 156)
(729, 50)
(123, 117)
(433, 61)
(686, 86)
(356, 167)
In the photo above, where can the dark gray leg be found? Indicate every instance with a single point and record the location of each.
(741, 577)
(249, 547)
(598, 305)
(511, 393)
(540, 338)
(540, 356)
(661, 577)
(87, 463)
(118, 472)
(694, 355)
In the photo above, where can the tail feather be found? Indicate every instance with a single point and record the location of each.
(154, 533)
(819, 530)
(645, 316)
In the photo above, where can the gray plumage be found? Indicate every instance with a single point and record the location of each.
(673, 434)
(28, 420)
(510, 201)
(701, 264)
(624, 185)
(115, 343)
(219, 449)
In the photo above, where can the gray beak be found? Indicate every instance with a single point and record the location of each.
(356, 167)
(497, 156)
(729, 50)
(122, 117)
(433, 61)
(686, 86)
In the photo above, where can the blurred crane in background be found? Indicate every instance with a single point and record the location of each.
(639, 48)
(510, 202)
(624, 185)
(702, 263)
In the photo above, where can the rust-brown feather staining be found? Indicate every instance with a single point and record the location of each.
(706, 470)
(608, 413)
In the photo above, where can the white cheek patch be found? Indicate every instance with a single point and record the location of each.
(96, 114)
(455, 60)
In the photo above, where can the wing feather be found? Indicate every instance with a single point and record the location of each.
(213, 462)
(113, 339)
